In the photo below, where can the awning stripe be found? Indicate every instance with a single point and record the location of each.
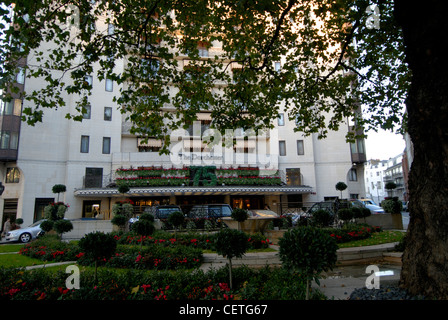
(112, 192)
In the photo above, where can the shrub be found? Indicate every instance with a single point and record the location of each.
(176, 219)
(62, 226)
(47, 225)
(231, 243)
(321, 218)
(309, 251)
(143, 227)
(392, 206)
(345, 214)
(98, 245)
(239, 215)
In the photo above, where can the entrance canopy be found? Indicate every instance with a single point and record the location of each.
(195, 191)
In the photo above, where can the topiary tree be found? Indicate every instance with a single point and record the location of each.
(123, 188)
(144, 227)
(121, 214)
(176, 219)
(239, 215)
(341, 186)
(58, 188)
(120, 221)
(345, 214)
(47, 225)
(62, 226)
(321, 218)
(309, 251)
(231, 243)
(98, 245)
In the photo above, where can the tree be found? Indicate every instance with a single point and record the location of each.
(382, 58)
(239, 215)
(98, 245)
(62, 226)
(176, 219)
(58, 188)
(144, 226)
(309, 251)
(341, 186)
(231, 243)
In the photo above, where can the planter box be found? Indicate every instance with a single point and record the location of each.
(83, 226)
(251, 225)
(274, 235)
(384, 220)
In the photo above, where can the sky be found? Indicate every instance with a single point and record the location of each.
(383, 145)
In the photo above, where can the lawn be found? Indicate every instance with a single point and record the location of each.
(18, 260)
(387, 236)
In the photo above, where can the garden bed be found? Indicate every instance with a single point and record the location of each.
(114, 284)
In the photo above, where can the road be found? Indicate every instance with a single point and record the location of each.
(405, 218)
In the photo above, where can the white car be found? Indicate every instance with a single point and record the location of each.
(25, 234)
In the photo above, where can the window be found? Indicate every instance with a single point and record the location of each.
(281, 119)
(282, 147)
(293, 177)
(300, 148)
(20, 76)
(14, 140)
(352, 175)
(358, 146)
(85, 144)
(106, 145)
(107, 114)
(88, 112)
(12, 175)
(109, 85)
(89, 81)
(278, 66)
(4, 140)
(13, 107)
(203, 49)
(93, 178)
(110, 29)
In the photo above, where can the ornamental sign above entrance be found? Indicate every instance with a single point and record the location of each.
(203, 146)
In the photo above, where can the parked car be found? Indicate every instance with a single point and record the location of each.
(263, 213)
(329, 206)
(159, 212)
(25, 235)
(405, 205)
(372, 207)
(163, 211)
(210, 211)
(368, 201)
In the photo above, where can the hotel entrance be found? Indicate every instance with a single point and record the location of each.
(247, 202)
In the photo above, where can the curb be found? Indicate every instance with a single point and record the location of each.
(346, 256)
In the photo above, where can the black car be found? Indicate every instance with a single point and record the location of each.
(163, 211)
(212, 211)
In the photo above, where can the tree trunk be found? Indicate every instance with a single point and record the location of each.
(425, 259)
(230, 274)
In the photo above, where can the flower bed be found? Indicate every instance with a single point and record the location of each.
(352, 232)
(161, 251)
(248, 284)
(202, 241)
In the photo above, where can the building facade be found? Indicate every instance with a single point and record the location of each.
(94, 156)
(374, 175)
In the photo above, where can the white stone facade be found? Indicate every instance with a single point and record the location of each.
(51, 153)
